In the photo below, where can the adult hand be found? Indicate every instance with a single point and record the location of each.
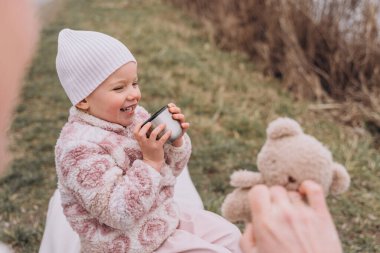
(283, 222)
(177, 115)
(152, 147)
(19, 31)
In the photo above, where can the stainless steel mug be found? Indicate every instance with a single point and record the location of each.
(164, 116)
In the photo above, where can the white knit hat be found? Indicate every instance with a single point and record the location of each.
(85, 59)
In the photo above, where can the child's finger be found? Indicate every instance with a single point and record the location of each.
(165, 137)
(178, 116)
(171, 105)
(156, 131)
(174, 110)
(140, 131)
(137, 128)
(185, 126)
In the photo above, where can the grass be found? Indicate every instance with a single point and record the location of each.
(228, 102)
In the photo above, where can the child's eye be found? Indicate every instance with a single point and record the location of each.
(135, 84)
(118, 88)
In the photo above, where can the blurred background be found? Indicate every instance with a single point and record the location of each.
(324, 50)
(232, 66)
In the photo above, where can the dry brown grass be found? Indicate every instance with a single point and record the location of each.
(227, 102)
(322, 52)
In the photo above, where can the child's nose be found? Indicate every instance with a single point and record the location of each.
(133, 93)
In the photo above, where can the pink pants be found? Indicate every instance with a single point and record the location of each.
(201, 231)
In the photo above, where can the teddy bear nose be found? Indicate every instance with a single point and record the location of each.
(291, 179)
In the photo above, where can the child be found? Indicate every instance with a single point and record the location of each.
(116, 183)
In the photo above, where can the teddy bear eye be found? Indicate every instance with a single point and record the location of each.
(291, 179)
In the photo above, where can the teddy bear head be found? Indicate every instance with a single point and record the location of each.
(288, 157)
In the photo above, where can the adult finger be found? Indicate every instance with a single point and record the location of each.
(315, 196)
(247, 241)
(259, 199)
(279, 195)
(295, 198)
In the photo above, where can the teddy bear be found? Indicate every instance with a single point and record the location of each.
(287, 158)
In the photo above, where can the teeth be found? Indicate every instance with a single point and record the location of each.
(130, 108)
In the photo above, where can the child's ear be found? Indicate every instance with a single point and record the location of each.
(83, 105)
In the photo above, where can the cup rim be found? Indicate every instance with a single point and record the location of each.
(155, 115)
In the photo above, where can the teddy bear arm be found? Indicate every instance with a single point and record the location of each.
(341, 179)
(236, 207)
(245, 179)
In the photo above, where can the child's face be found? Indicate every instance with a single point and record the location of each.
(115, 100)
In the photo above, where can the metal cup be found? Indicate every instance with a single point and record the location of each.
(164, 116)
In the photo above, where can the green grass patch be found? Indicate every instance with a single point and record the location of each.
(228, 103)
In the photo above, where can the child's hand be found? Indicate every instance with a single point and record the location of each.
(177, 115)
(151, 147)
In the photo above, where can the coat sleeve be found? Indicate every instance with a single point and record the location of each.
(178, 157)
(116, 199)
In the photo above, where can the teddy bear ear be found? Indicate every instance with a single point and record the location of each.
(245, 178)
(283, 127)
(341, 179)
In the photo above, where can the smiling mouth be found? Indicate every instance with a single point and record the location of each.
(130, 108)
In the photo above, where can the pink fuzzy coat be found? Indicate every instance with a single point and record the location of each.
(111, 198)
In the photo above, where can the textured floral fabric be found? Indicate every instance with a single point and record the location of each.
(111, 198)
